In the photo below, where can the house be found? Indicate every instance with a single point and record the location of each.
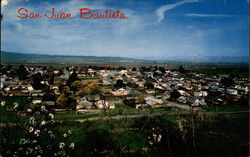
(196, 101)
(142, 106)
(140, 83)
(201, 93)
(153, 102)
(106, 82)
(182, 99)
(104, 104)
(183, 93)
(232, 91)
(84, 104)
(37, 100)
(120, 92)
(48, 103)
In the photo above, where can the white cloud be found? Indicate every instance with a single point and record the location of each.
(4, 3)
(208, 15)
(163, 9)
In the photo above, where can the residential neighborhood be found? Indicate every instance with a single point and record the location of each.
(89, 89)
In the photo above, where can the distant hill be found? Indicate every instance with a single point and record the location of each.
(24, 58)
(21, 58)
(210, 59)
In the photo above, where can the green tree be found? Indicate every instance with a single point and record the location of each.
(119, 84)
(175, 94)
(182, 70)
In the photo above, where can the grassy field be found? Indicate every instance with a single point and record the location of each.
(227, 109)
(120, 109)
(130, 137)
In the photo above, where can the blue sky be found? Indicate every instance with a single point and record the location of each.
(154, 28)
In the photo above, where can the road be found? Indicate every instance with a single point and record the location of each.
(183, 114)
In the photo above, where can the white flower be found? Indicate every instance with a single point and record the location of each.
(15, 105)
(31, 129)
(22, 141)
(37, 132)
(29, 110)
(43, 122)
(72, 145)
(61, 145)
(65, 135)
(2, 103)
(37, 147)
(43, 108)
(69, 131)
(32, 120)
(29, 151)
(51, 116)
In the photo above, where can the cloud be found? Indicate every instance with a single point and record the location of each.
(69, 36)
(163, 9)
(208, 15)
(4, 3)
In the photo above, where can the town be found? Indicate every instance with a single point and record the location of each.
(92, 89)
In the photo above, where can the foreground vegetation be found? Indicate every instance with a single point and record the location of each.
(158, 136)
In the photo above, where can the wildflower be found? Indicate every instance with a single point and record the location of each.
(29, 110)
(22, 141)
(159, 138)
(72, 145)
(20, 149)
(37, 113)
(32, 120)
(37, 147)
(37, 132)
(65, 135)
(15, 105)
(2, 103)
(69, 132)
(30, 129)
(29, 151)
(52, 136)
(43, 122)
(49, 132)
(51, 116)
(43, 108)
(61, 145)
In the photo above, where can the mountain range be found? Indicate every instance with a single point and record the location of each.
(28, 58)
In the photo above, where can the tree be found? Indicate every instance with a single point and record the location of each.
(49, 95)
(119, 84)
(149, 83)
(62, 100)
(37, 78)
(140, 99)
(182, 70)
(51, 80)
(226, 81)
(72, 78)
(175, 94)
(64, 89)
(22, 72)
(75, 86)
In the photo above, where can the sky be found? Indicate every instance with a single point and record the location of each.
(154, 28)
